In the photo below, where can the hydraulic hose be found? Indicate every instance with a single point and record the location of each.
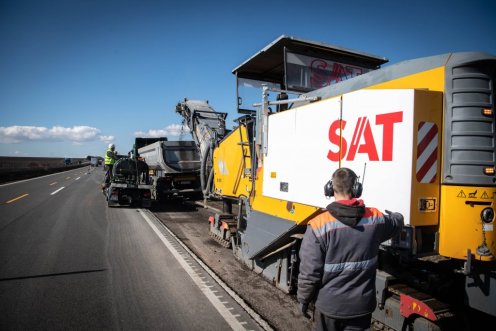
(210, 177)
(204, 185)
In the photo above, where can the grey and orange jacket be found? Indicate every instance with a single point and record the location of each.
(339, 255)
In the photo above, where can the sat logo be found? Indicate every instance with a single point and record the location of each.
(385, 134)
(363, 140)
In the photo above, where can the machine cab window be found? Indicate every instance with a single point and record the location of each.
(291, 66)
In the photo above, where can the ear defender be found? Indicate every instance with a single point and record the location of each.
(356, 190)
(328, 189)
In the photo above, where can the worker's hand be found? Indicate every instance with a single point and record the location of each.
(396, 216)
(304, 309)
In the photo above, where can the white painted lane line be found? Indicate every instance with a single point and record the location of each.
(77, 178)
(255, 316)
(57, 191)
(226, 314)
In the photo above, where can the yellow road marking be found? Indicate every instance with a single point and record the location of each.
(19, 197)
(53, 183)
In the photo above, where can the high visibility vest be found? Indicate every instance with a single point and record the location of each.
(109, 157)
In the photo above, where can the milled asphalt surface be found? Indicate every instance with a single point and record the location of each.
(189, 222)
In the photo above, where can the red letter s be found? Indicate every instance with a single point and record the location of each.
(334, 138)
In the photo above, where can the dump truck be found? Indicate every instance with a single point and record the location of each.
(174, 168)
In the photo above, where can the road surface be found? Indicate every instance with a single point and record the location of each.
(69, 262)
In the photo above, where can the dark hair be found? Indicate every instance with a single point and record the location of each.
(343, 180)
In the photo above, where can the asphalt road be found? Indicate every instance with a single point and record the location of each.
(69, 262)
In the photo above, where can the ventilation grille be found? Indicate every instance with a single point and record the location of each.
(469, 134)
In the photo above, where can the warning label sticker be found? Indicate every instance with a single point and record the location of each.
(473, 195)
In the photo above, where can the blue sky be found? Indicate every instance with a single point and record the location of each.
(78, 74)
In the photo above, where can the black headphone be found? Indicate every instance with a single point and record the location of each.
(356, 189)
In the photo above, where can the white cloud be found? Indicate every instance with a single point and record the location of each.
(18, 134)
(76, 133)
(106, 139)
(168, 131)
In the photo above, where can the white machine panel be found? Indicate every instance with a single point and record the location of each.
(377, 135)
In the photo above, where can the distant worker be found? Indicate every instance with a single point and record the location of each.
(339, 254)
(110, 158)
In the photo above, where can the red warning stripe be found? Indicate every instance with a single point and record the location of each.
(427, 145)
(429, 163)
(427, 139)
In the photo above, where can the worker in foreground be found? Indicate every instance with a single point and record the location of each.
(110, 158)
(339, 255)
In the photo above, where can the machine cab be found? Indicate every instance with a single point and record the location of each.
(293, 66)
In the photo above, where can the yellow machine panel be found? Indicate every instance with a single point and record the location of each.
(232, 165)
(431, 79)
(426, 167)
(461, 208)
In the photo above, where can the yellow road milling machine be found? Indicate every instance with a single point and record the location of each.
(420, 133)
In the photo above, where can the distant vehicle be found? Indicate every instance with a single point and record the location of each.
(67, 161)
(94, 161)
(174, 167)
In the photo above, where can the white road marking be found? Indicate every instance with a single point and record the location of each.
(77, 178)
(57, 191)
(225, 313)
